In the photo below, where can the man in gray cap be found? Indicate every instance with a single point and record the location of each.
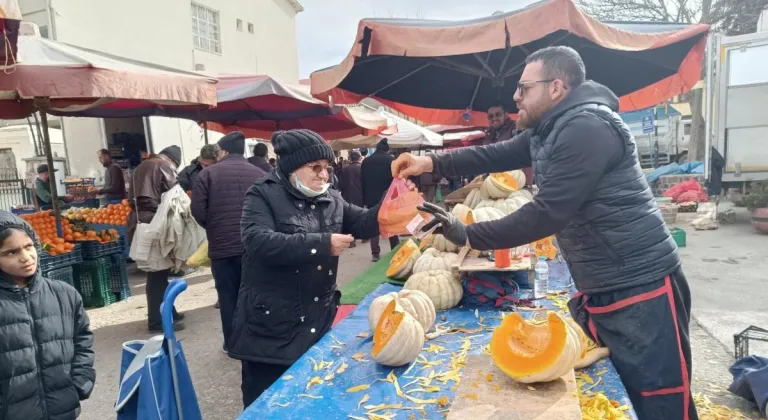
(153, 177)
(217, 205)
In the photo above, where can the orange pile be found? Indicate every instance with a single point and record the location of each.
(113, 214)
(44, 225)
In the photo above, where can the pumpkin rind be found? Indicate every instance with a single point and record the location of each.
(473, 198)
(415, 302)
(522, 193)
(442, 244)
(443, 289)
(397, 338)
(530, 352)
(484, 214)
(507, 207)
(402, 262)
(433, 259)
(518, 200)
(427, 242)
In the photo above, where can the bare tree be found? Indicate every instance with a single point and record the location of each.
(732, 17)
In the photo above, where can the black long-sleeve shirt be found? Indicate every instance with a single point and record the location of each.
(585, 150)
(114, 183)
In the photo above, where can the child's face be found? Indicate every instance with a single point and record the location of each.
(18, 255)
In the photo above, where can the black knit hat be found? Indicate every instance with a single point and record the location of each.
(173, 152)
(233, 142)
(295, 148)
(383, 145)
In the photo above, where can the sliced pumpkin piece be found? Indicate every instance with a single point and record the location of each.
(531, 352)
(397, 338)
(402, 262)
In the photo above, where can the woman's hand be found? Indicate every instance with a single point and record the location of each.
(339, 243)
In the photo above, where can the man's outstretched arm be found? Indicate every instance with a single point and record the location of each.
(498, 157)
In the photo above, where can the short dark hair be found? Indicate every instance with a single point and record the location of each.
(272, 160)
(497, 105)
(562, 63)
(209, 152)
(105, 152)
(260, 149)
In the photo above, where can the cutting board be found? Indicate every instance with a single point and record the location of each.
(501, 398)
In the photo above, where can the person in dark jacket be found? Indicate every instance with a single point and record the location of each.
(208, 155)
(633, 296)
(114, 183)
(502, 128)
(153, 177)
(294, 229)
(376, 177)
(46, 359)
(217, 206)
(350, 182)
(259, 158)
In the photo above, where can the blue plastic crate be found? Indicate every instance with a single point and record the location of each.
(95, 249)
(121, 230)
(48, 262)
(65, 274)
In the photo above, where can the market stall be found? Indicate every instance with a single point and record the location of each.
(337, 377)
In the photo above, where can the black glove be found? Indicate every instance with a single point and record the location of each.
(449, 225)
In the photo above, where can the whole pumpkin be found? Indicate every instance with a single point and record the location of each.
(532, 352)
(442, 288)
(522, 193)
(397, 338)
(402, 262)
(415, 302)
(440, 243)
(519, 200)
(433, 259)
(507, 207)
(473, 199)
(485, 203)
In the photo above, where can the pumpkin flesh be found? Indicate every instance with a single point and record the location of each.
(388, 323)
(530, 352)
(403, 260)
(398, 337)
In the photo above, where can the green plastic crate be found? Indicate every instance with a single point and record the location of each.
(64, 274)
(92, 280)
(118, 277)
(679, 236)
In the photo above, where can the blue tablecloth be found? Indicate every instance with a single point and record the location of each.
(291, 398)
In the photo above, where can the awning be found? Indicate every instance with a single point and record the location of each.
(400, 134)
(450, 72)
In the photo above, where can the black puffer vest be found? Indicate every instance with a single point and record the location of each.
(618, 238)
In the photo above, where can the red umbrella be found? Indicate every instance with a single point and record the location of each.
(258, 105)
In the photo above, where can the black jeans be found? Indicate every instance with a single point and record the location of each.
(257, 377)
(226, 275)
(646, 329)
(376, 249)
(157, 282)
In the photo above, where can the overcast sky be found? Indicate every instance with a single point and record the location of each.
(326, 28)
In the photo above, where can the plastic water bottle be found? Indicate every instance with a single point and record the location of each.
(541, 278)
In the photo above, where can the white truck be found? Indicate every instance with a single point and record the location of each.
(736, 105)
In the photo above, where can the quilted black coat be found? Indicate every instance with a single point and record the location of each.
(288, 296)
(46, 356)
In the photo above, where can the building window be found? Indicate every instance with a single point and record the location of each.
(206, 32)
(240, 25)
(44, 31)
(687, 129)
(250, 28)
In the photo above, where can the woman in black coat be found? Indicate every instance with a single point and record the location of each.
(294, 228)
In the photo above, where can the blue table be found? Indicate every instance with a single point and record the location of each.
(290, 397)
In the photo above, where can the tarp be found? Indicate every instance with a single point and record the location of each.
(450, 72)
(400, 134)
(292, 398)
(10, 21)
(78, 79)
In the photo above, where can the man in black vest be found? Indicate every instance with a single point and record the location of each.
(633, 297)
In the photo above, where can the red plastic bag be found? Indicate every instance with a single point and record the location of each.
(689, 190)
(398, 208)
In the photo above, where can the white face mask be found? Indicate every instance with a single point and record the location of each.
(309, 192)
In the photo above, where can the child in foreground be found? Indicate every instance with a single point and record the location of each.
(46, 356)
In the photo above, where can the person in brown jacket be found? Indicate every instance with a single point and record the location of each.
(153, 177)
(501, 128)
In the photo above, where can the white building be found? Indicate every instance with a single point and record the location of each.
(214, 36)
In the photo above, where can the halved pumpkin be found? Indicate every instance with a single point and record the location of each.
(531, 352)
(484, 214)
(545, 247)
(461, 211)
(402, 262)
(427, 242)
(397, 338)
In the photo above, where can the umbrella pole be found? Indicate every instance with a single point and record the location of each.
(42, 105)
(205, 131)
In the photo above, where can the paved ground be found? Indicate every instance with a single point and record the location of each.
(723, 268)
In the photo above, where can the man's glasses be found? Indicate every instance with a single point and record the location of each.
(524, 86)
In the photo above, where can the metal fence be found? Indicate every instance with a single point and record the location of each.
(13, 191)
